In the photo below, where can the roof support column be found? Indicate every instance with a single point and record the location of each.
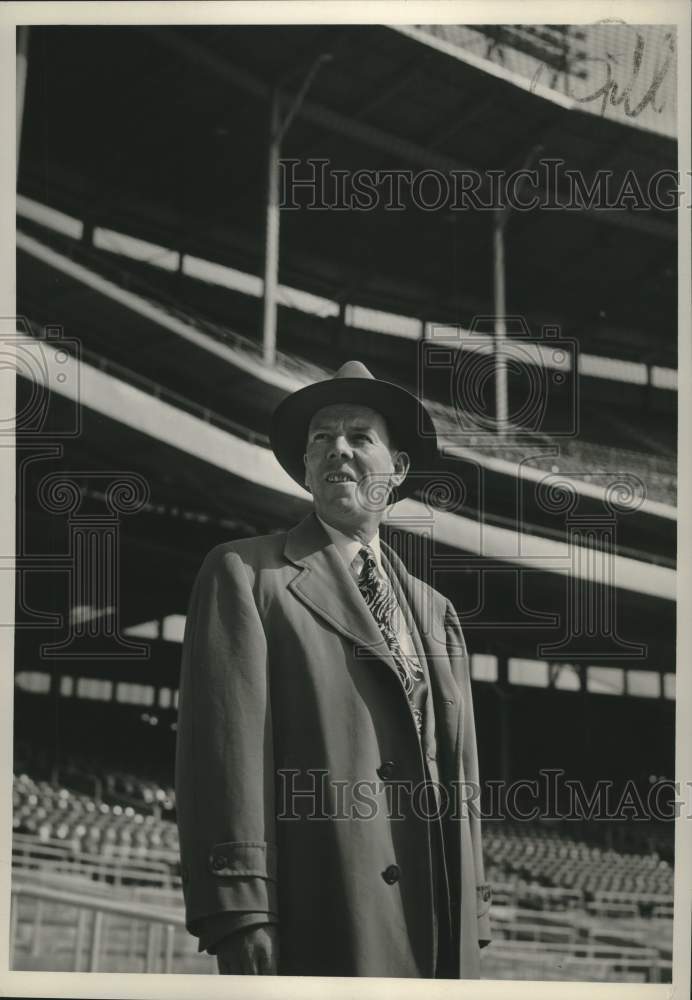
(277, 130)
(271, 238)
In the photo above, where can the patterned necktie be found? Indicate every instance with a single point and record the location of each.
(380, 598)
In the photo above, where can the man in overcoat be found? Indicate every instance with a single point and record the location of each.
(326, 764)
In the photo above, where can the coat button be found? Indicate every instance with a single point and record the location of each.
(391, 874)
(386, 769)
(218, 862)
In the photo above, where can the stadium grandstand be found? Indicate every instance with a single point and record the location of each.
(146, 380)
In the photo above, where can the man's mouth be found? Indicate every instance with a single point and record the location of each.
(339, 477)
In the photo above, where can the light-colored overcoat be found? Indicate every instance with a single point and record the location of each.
(288, 687)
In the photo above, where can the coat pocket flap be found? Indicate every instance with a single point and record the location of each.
(243, 858)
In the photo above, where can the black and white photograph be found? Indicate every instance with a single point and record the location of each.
(345, 355)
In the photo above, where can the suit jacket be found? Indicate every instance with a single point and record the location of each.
(287, 687)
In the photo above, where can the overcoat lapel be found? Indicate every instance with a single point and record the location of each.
(326, 586)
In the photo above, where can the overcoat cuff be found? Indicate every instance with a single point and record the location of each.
(234, 876)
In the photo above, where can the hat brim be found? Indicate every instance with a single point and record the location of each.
(408, 421)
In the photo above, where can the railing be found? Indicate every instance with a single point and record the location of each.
(529, 959)
(549, 896)
(91, 918)
(160, 391)
(114, 865)
(573, 945)
(647, 905)
(616, 896)
(87, 256)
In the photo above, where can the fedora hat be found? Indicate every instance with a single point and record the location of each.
(410, 425)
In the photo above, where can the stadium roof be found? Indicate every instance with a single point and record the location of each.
(161, 133)
(624, 72)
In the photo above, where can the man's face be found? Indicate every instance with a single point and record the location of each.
(350, 465)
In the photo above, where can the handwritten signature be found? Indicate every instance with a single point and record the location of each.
(610, 91)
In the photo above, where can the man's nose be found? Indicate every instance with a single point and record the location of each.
(340, 447)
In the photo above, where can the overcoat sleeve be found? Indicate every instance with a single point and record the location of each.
(224, 752)
(458, 656)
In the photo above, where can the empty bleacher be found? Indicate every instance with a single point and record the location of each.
(547, 868)
(564, 907)
(93, 829)
(96, 886)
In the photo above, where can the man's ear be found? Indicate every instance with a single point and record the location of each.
(402, 463)
(306, 477)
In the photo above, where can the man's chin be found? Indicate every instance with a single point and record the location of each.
(344, 509)
(345, 506)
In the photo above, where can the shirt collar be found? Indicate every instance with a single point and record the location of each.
(348, 547)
